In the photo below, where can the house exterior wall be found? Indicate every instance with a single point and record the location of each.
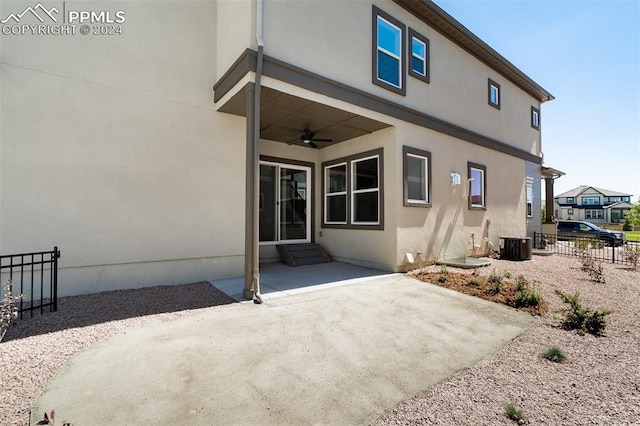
(449, 229)
(111, 150)
(455, 74)
(534, 222)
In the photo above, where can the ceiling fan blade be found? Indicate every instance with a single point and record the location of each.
(323, 140)
(312, 145)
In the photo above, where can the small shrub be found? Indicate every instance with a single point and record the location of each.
(474, 282)
(578, 317)
(631, 255)
(513, 412)
(8, 308)
(506, 274)
(444, 270)
(442, 278)
(592, 268)
(626, 226)
(527, 297)
(554, 354)
(581, 244)
(495, 277)
(496, 287)
(521, 283)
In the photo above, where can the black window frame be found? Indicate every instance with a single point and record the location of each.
(414, 34)
(406, 151)
(349, 160)
(483, 168)
(402, 90)
(490, 84)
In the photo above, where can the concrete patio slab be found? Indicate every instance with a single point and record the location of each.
(334, 356)
(279, 279)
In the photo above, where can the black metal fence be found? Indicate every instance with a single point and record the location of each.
(601, 250)
(35, 276)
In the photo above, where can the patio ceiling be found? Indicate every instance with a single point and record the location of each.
(283, 118)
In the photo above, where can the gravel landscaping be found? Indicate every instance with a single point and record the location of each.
(598, 383)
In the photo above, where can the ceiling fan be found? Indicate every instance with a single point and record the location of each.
(309, 139)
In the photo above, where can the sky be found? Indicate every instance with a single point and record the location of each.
(586, 53)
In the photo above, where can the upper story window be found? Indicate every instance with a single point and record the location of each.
(535, 118)
(388, 52)
(570, 200)
(417, 177)
(627, 199)
(494, 94)
(477, 186)
(590, 201)
(419, 60)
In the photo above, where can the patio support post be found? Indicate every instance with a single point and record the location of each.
(549, 199)
(249, 195)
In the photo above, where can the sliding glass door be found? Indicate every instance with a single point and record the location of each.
(285, 203)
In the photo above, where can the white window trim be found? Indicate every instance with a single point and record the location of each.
(393, 55)
(328, 194)
(362, 191)
(423, 59)
(426, 180)
(483, 204)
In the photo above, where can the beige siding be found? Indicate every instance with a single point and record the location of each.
(339, 47)
(111, 149)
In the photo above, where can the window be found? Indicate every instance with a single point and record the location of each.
(419, 60)
(417, 177)
(494, 94)
(570, 212)
(529, 198)
(365, 205)
(352, 192)
(612, 199)
(590, 201)
(477, 186)
(335, 197)
(594, 214)
(570, 200)
(535, 118)
(627, 199)
(389, 49)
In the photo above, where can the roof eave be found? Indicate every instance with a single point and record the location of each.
(437, 18)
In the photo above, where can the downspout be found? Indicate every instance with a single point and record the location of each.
(255, 284)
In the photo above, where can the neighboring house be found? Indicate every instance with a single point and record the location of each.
(422, 141)
(593, 205)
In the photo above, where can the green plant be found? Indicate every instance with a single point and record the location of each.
(8, 308)
(581, 244)
(496, 287)
(521, 283)
(527, 297)
(444, 270)
(513, 412)
(442, 278)
(474, 282)
(593, 269)
(578, 317)
(627, 226)
(506, 274)
(554, 354)
(631, 255)
(495, 277)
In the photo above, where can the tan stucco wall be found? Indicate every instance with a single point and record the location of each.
(444, 230)
(110, 148)
(457, 92)
(235, 29)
